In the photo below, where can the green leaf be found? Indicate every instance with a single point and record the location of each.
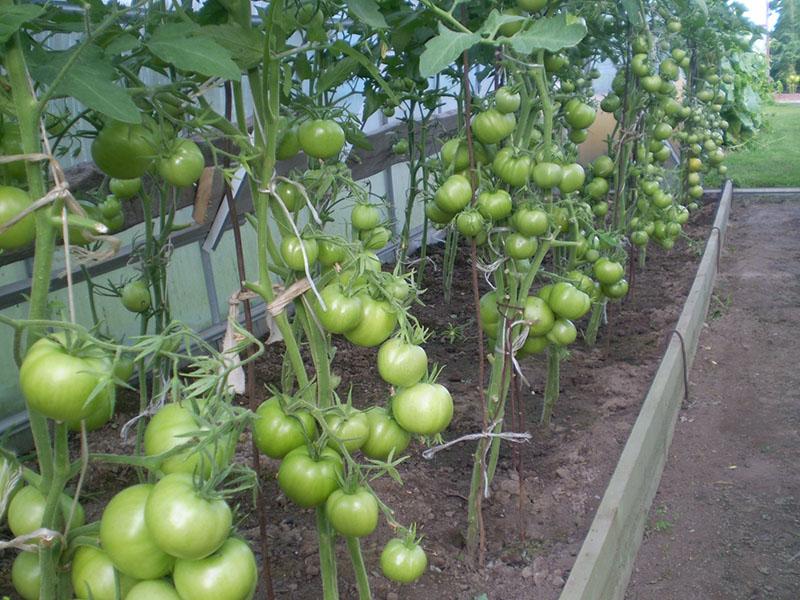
(338, 73)
(246, 46)
(633, 10)
(368, 13)
(90, 81)
(176, 44)
(701, 6)
(368, 64)
(550, 33)
(497, 19)
(122, 43)
(444, 49)
(15, 16)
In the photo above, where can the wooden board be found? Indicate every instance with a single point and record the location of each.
(603, 566)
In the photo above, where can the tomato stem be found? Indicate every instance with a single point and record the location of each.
(360, 570)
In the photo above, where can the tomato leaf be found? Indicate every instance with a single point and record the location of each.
(444, 49)
(338, 73)
(367, 12)
(633, 10)
(368, 64)
(246, 46)
(176, 44)
(90, 80)
(550, 33)
(495, 20)
(15, 16)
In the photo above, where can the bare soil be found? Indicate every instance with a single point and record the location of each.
(725, 523)
(534, 528)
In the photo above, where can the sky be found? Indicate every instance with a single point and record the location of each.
(757, 11)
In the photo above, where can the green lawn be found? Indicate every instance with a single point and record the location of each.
(772, 157)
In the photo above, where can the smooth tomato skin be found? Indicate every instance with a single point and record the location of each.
(424, 408)
(572, 178)
(156, 589)
(378, 321)
(385, 435)
(511, 168)
(539, 315)
(506, 100)
(376, 238)
(102, 413)
(308, 482)
(321, 138)
(184, 165)
(470, 223)
(640, 238)
(12, 202)
(530, 222)
(125, 188)
(608, 271)
(597, 188)
(277, 433)
(436, 215)
(136, 296)
(59, 385)
(580, 115)
(616, 290)
(288, 145)
(563, 332)
(342, 312)
(292, 253)
(126, 539)
(181, 522)
(492, 126)
(567, 301)
(496, 205)
(330, 253)
(230, 573)
(123, 151)
(401, 562)
(534, 344)
(455, 153)
(93, 575)
(400, 363)
(519, 247)
(26, 576)
(454, 194)
(290, 195)
(489, 315)
(26, 511)
(547, 175)
(350, 430)
(365, 216)
(352, 514)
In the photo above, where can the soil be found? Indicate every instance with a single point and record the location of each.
(725, 523)
(534, 528)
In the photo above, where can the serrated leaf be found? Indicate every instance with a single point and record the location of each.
(358, 138)
(338, 73)
(15, 16)
(550, 33)
(443, 50)
(495, 20)
(367, 12)
(246, 46)
(90, 81)
(176, 44)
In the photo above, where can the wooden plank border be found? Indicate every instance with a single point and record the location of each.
(603, 566)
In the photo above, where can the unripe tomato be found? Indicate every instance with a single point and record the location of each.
(563, 332)
(603, 166)
(423, 408)
(12, 202)
(616, 290)
(506, 100)
(668, 69)
(491, 126)
(342, 312)
(695, 165)
(277, 433)
(125, 188)
(597, 188)
(674, 26)
(578, 136)
(511, 168)
(608, 271)
(553, 63)
(292, 253)
(26, 576)
(136, 296)
(530, 221)
(93, 575)
(580, 115)
(610, 103)
(27, 507)
(539, 316)
(547, 175)
(330, 252)
(308, 481)
(454, 194)
(403, 561)
(651, 83)
(157, 589)
(519, 247)
(600, 209)
(402, 364)
(495, 206)
(352, 514)
(184, 164)
(512, 27)
(532, 5)
(290, 195)
(385, 435)
(568, 301)
(572, 178)
(640, 238)
(662, 131)
(378, 320)
(348, 428)
(321, 138)
(230, 573)
(124, 151)
(470, 223)
(365, 216)
(288, 145)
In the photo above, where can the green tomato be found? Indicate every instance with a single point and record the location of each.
(531, 5)
(572, 178)
(512, 27)
(342, 312)
(454, 194)
(563, 332)
(321, 138)
(424, 408)
(470, 223)
(26, 511)
(547, 175)
(352, 514)
(348, 428)
(600, 209)
(651, 83)
(610, 103)
(579, 115)
(616, 290)
(182, 522)
(567, 301)
(365, 216)
(529, 221)
(126, 538)
(578, 136)
(331, 252)
(436, 215)
(506, 100)
(492, 126)
(662, 131)
(136, 296)
(608, 271)
(60, 385)
(292, 252)
(183, 165)
(158, 589)
(290, 195)
(603, 166)
(307, 481)
(403, 561)
(230, 573)
(12, 202)
(288, 145)
(511, 168)
(401, 364)
(277, 433)
(125, 188)
(597, 188)
(124, 151)
(11, 144)
(538, 315)
(26, 576)
(378, 321)
(640, 238)
(495, 206)
(385, 435)
(94, 576)
(519, 247)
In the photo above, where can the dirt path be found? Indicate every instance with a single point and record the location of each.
(725, 524)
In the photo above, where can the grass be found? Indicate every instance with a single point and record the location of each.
(772, 157)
